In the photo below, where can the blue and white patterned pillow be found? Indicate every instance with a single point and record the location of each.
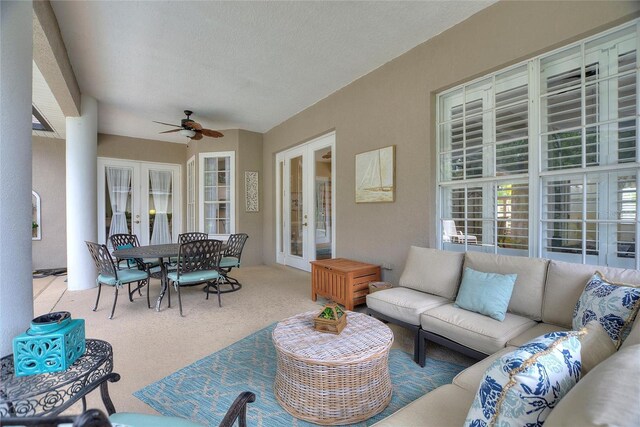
(522, 387)
(613, 305)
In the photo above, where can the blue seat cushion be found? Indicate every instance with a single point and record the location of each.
(194, 276)
(125, 276)
(229, 261)
(144, 420)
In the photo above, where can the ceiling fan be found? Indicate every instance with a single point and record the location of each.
(191, 129)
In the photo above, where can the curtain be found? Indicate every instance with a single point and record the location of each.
(119, 184)
(161, 190)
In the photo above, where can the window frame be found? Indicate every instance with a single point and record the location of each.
(232, 191)
(536, 175)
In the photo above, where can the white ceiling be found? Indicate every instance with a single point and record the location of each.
(248, 65)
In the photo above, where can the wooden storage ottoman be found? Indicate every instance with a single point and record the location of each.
(342, 280)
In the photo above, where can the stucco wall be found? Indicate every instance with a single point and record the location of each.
(395, 104)
(48, 175)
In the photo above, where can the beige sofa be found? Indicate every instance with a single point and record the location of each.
(544, 296)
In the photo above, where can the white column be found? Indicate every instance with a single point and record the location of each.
(82, 213)
(16, 284)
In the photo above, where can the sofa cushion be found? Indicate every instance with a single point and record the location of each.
(403, 304)
(608, 396)
(522, 387)
(485, 293)
(565, 283)
(474, 330)
(445, 406)
(526, 299)
(536, 331)
(634, 335)
(596, 346)
(433, 271)
(614, 305)
(470, 378)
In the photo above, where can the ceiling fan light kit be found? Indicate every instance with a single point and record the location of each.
(191, 129)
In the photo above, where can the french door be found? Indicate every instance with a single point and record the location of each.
(306, 203)
(140, 198)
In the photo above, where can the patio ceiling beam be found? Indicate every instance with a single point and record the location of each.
(50, 55)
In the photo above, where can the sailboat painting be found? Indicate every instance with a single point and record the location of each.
(375, 175)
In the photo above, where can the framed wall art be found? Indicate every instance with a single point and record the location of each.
(251, 191)
(375, 175)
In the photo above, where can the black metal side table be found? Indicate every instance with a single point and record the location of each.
(52, 393)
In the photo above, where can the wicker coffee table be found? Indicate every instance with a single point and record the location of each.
(333, 379)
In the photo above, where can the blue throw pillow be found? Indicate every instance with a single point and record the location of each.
(485, 293)
(521, 388)
(614, 305)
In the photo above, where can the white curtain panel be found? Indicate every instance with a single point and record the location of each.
(119, 184)
(161, 190)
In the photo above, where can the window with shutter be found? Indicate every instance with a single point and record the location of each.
(563, 124)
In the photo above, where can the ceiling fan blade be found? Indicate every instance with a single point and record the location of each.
(172, 130)
(197, 136)
(193, 125)
(211, 133)
(168, 124)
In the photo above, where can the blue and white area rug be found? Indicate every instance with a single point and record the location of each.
(204, 390)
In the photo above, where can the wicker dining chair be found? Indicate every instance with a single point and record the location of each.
(109, 275)
(231, 258)
(198, 262)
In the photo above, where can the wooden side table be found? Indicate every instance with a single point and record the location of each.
(342, 280)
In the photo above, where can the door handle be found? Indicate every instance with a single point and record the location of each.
(137, 222)
(305, 224)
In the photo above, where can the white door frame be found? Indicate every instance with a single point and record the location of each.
(283, 224)
(139, 196)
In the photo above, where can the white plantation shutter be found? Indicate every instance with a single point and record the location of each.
(551, 168)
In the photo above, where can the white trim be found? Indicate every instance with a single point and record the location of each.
(192, 183)
(232, 191)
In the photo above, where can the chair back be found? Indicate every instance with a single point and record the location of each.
(235, 244)
(199, 255)
(118, 240)
(102, 258)
(449, 227)
(192, 237)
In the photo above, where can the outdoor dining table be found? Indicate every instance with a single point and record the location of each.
(161, 252)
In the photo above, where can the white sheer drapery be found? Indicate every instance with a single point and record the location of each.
(161, 190)
(119, 184)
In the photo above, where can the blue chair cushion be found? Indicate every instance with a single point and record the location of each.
(229, 261)
(125, 276)
(144, 420)
(194, 276)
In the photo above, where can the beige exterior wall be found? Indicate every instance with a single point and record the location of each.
(48, 172)
(395, 104)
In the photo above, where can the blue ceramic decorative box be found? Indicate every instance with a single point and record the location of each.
(52, 343)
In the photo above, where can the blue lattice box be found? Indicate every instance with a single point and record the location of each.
(52, 343)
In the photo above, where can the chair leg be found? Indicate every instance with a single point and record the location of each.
(218, 289)
(98, 299)
(113, 309)
(148, 290)
(422, 350)
(168, 294)
(180, 301)
(131, 293)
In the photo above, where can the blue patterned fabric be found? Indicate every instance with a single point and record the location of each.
(485, 293)
(204, 390)
(522, 387)
(613, 305)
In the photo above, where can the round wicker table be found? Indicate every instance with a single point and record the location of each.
(333, 379)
